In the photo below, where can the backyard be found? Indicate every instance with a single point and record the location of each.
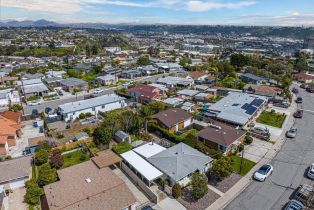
(247, 165)
(74, 158)
(271, 118)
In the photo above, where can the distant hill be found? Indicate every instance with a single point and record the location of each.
(29, 23)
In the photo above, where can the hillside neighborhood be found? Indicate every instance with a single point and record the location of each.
(123, 124)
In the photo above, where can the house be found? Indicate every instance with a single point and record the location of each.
(168, 66)
(173, 102)
(107, 80)
(8, 81)
(237, 108)
(10, 130)
(32, 87)
(263, 90)
(71, 111)
(149, 70)
(130, 74)
(222, 137)
(57, 74)
(188, 106)
(14, 116)
(81, 136)
(187, 94)
(121, 136)
(210, 79)
(71, 84)
(82, 66)
(32, 76)
(304, 78)
(17, 171)
(179, 162)
(171, 82)
(198, 76)
(173, 119)
(144, 93)
(88, 186)
(251, 78)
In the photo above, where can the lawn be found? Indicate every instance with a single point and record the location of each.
(271, 118)
(247, 165)
(74, 158)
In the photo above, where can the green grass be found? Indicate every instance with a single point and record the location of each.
(271, 118)
(247, 165)
(74, 158)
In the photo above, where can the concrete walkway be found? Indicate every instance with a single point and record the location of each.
(247, 179)
(215, 190)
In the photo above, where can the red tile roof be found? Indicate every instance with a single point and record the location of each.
(146, 91)
(15, 116)
(303, 76)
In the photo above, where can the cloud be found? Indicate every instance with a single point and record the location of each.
(201, 6)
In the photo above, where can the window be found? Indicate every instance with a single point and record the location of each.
(222, 148)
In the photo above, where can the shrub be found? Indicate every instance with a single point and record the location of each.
(241, 147)
(102, 136)
(248, 139)
(176, 190)
(222, 167)
(199, 185)
(41, 156)
(16, 108)
(83, 157)
(56, 160)
(33, 192)
(122, 147)
(46, 175)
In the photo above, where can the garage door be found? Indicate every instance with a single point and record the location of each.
(17, 184)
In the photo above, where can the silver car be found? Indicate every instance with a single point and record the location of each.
(294, 205)
(310, 172)
(292, 132)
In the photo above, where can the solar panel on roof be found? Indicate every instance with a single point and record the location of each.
(257, 102)
(250, 110)
(245, 106)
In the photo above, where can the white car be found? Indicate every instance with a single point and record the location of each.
(310, 173)
(263, 172)
(98, 90)
(127, 84)
(34, 103)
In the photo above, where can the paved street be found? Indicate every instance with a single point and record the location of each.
(55, 103)
(290, 165)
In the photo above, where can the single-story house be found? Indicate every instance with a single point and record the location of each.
(86, 186)
(303, 77)
(71, 111)
(179, 162)
(108, 79)
(222, 137)
(174, 119)
(252, 78)
(198, 76)
(70, 84)
(149, 70)
(168, 66)
(188, 106)
(83, 66)
(58, 74)
(130, 74)
(32, 76)
(237, 108)
(121, 136)
(173, 102)
(171, 82)
(263, 90)
(15, 172)
(5, 80)
(144, 93)
(187, 93)
(33, 87)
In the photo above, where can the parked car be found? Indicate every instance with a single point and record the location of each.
(283, 104)
(292, 132)
(260, 130)
(299, 100)
(303, 193)
(310, 173)
(303, 86)
(263, 172)
(298, 113)
(34, 103)
(98, 90)
(127, 84)
(310, 89)
(147, 208)
(294, 205)
(294, 90)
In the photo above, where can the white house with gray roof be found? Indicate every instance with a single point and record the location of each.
(71, 111)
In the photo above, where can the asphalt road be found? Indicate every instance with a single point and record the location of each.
(55, 103)
(290, 166)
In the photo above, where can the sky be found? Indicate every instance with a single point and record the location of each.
(196, 12)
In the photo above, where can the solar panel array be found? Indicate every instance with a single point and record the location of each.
(253, 106)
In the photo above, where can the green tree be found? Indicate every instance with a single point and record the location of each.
(102, 136)
(16, 107)
(176, 190)
(143, 61)
(33, 192)
(46, 175)
(146, 111)
(94, 49)
(222, 167)
(239, 60)
(41, 156)
(56, 160)
(184, 61)
(156, 106)
(199, 185)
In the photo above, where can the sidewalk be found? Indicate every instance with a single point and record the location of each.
(247, 179)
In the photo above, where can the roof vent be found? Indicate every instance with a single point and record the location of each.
(88, 180)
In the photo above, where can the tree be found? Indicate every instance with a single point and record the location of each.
(56, 160)
(94, 49)
(131, 121)
(33, 192)
(199, 185)
(143, 61)
(102, 136)
(16, 107)
(46, 175)
(239, 60)
(176, 190)
(156, 106)
(146, 111)
(248, 139)
(41, 156)
(184, 61)
(222, 167)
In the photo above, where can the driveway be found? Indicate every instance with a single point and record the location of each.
(16, 199)
(169, 203)
(257, 150)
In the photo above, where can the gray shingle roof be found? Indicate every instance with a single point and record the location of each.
(72, 82)
(179, 161)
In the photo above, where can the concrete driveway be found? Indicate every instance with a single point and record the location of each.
(16, 199)
(257, 150)
(169, 203)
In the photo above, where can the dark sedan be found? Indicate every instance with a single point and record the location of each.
(298, 114)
